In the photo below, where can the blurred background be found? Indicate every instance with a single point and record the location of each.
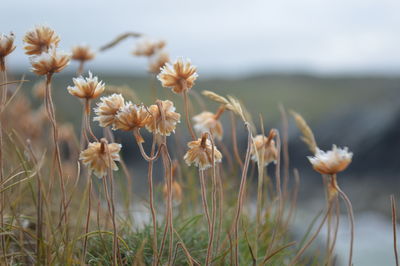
(335, 62)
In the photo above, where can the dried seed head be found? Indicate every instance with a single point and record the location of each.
(177, 194)
(160, 60)
(308, 135)
(49, 62)
(82, 53)
(130, 117)
(155, 122)
(107, 109)
(100, 156)
(264, 149)
(332, 161)
(179, 77)
(40, 40)
(89, 88)
(147, 47)
(208, 122)
(6, 47)
(200, 153)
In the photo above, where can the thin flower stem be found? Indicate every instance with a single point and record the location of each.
(3, 101)
(234, 140)
(204, 201)
(88, 127)
(189, 124)
(333, 244)
(394, 219)
(89, 185)
(79, 72)
(151, 201)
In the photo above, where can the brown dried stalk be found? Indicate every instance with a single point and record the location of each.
(394, 219)
(308, 135)
(118, 39)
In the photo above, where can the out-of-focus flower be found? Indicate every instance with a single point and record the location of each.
(179, 77)
(331, 162)
(200, 153)
(158, 62)
(6, 47)
(147, 47)
(40, 39)
(130, 117)
(264, 148)
(87, 88)
(177, 194)
(49, 62)
(107, 109)
(208, 122)
(155, 122)
(100, 156)
(82, 53)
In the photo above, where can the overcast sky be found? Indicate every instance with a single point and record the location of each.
(225, 37)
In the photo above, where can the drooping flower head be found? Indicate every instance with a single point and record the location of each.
(158, 62)
(148, 47)
(156, 124)
(209, 122)
(107, 109)
(179, 76)
(86, 88)
(49, 62)
(100, 156)
(131, 117)
(6, 47)
(200, 153)
(264, 148)
(331, 162)
(82, 53)
(40, 40)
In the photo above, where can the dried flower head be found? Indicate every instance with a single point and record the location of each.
(158, 62)
(107, 109)
(39, 40)
(265, 147)
(179, 77)
(208, 122)
(6, 47)
(155, 122)
(200, 153)
(100, 156)
(130, 117)
(147, 47)
(86, 88)
(82, 53)
(177, 194)
(49, 62)
(332, 161)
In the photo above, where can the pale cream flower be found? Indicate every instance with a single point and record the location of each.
(148, 47)
(49, 62)
(87, 88)
(100, 156)
(158, 62)
(331, 162)
(6, 47)
(107, 109)
(40, 39)
(155, 123)
(179, 77)
(208, 122)
(130, 117)
(82, 53)
(200, 153)
(266, 147)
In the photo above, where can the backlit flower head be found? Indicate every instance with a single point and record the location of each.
(87, 88)
(49, 62)
(179, 76)
(158, 62)
(100, 156)
(6, 47)
(82, 53)
(155, 122)
(332, 161)
(208, 122)
(266, 147)
(107, 109)
(130, 117)
(200, 153)
(147, 47)
(40, 39)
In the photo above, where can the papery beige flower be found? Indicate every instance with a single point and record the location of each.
(86, 88)
(331, 162)
(158, 62)
(130, 117)
(82, 53)
(179, 77)
(100, 156)
(49, 62)
(265, 147)
(200, 153)
(147, 47)
(155, 122)
(208, 122)
(107, 109)
(6, 47)
(39, 40)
